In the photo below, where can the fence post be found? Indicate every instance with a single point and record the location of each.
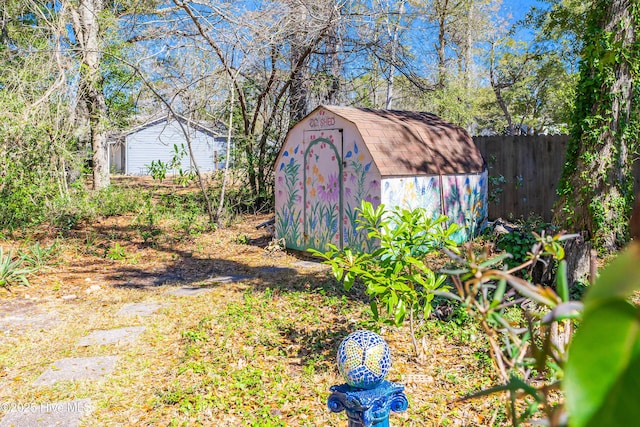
(364, 359)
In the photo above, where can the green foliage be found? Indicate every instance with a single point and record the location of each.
(519, 242)
(532, 84)
(457, 325)
(116, 253)
(82, 205)
(458, 104)
(121, 82)
(116, 200)
(597, 173)
(146, 221)
(158, 169)
(37, 256)
(600, 373)
(603, 368)
(527, 326)
(242, 239)
(38, 141)
(396, 275)
(28, 181)
(495, 184)
(563, 23)
(13, 270)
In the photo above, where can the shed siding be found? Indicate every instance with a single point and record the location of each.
(327, 135)
(413, 192)
(466, 203)
(465, 199)
(157, 143)
(360, 181)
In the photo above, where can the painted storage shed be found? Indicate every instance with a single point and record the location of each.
(338, 156)
(133, 152)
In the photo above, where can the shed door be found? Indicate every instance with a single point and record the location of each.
(322, 189)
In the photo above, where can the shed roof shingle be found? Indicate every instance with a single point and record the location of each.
(407, 143)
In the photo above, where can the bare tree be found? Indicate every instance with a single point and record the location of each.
(262, 39)
(394, 28)
(86, 26)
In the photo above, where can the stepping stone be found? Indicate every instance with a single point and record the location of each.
(138, 309)
(234, 278)
(77, 368)
(276, 270)
(25, 314)
(112, 336)
(33, 321)
(67, 414)
(310, 264)
(189, 291)
(148, 281)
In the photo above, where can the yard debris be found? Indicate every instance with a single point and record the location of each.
(500, 226)
(275, 245)
(268, 225)
(92, 288)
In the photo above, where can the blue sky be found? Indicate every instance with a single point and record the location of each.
(518, 8)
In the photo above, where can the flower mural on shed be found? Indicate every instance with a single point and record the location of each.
(322, 190)
(360, 182)
(330, 190)
(464, 199)
(289, 215)
(414, 192)
(466, 204)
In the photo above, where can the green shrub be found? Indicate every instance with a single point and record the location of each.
(37, 256)
(13, 270)
(117, 200)
(518, 244)
(529, 329)
(116, 253)
(396, 275)
(66, 213)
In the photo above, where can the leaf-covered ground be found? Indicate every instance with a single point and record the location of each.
(259, 351)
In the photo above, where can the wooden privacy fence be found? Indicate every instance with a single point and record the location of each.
(523, 173)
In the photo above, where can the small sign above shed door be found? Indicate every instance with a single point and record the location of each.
(322, 188)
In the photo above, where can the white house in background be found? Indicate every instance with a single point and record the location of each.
(133, 152)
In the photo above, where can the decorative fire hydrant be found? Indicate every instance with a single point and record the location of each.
(364, 359)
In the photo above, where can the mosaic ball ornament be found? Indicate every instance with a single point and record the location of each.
(364, 359)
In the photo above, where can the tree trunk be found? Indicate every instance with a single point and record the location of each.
(497, 90)
(394, 29)
(578, 256)
(596, 186)
(466, 52)
(440, 48)
(503, 106)
(225, 176)
(87, 31)
(298, 89)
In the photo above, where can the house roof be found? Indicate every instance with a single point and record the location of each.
(214, 131)
(408, 143)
